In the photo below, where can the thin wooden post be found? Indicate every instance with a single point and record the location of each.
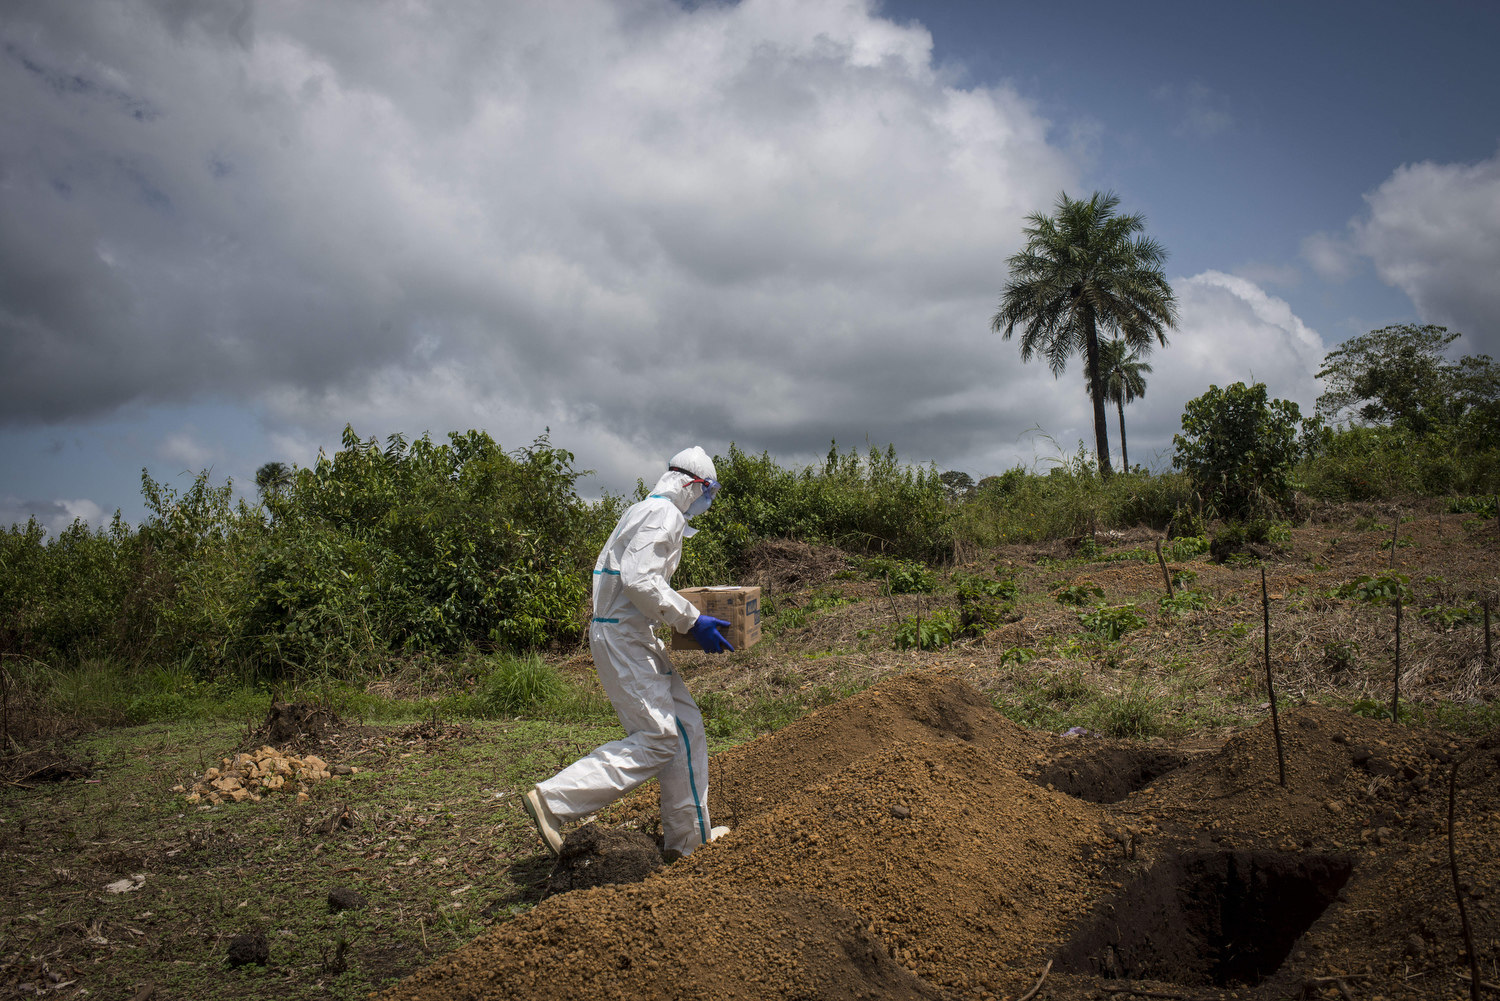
(1265, 604)
(1458, 893)
(1489, 655)
(1396, 681)
(1165, 577)
(1395, 533)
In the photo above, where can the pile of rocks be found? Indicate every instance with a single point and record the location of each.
(251, 775)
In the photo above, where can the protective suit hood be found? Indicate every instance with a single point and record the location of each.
(677, 488)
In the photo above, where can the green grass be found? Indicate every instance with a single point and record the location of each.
(439, 848)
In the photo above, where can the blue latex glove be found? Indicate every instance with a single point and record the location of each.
(706, 632)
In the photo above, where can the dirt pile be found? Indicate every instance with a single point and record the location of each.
(918, 708)
(968, 874)
(905, 844)
(661, 939)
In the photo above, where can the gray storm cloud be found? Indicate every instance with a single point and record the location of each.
(775, 223)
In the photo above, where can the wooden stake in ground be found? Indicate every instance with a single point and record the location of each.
(1265, 604)
(1396, 681)
(1166, 577)
(1458, 893)
(1489, 655)
(1395, 532)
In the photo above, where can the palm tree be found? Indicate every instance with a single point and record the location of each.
(1085, 270)
(1123, 374)
(272, 478)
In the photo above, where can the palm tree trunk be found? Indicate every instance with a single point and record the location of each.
(1124, 455)
(1096, 390)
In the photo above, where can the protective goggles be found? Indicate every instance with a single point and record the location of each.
(710, 487)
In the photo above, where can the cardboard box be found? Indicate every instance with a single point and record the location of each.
(739, 606)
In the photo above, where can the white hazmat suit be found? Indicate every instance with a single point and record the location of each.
(664, 729)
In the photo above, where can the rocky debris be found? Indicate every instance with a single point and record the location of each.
(249, 776)
(345, 898)
(247, 949)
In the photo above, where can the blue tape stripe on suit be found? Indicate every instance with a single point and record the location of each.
(612, 573)
(693, 783)
(597, 619)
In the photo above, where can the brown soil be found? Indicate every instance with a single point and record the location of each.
(905, 843)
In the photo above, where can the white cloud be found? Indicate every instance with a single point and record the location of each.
(1229, 330)
(54, 515)
(1433, 231)
(771, 222)
(1332, 257)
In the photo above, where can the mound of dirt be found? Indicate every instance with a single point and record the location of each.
(968, 873)
(898, 844)
(294, 723)
(660, 939)
(916, 708)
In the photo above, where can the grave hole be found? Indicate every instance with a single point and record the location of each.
(1226, 919)
(1108, 774)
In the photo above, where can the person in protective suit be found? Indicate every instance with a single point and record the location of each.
(664, 730)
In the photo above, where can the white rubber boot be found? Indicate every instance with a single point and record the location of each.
(546, 824)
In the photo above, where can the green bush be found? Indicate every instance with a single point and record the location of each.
(1238, 448)
(1184, 601)
(873, 504)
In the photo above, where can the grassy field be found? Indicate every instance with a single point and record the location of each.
(428, 829)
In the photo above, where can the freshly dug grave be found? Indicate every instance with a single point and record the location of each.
(892, 846)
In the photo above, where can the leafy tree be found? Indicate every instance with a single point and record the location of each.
(1398, 376)
(1124, 382)
(1238, 448)
(958, 485)
(1082, 271)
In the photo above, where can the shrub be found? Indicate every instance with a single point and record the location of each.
(900, 576)
(1238, 448)
(983, 602)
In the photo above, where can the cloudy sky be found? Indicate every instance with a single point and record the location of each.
(229, 227)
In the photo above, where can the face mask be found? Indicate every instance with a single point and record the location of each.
(697, 507)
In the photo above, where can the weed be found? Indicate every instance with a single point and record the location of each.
(1185, 547)
(1184, 601)
(926, 632)
(1132, 714)
(1080, 593)
(1017, 655)
(1339, 655)
(1447, 617)
(516, 685)
(900, 576)
(1110, 623)
(1376, 589)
